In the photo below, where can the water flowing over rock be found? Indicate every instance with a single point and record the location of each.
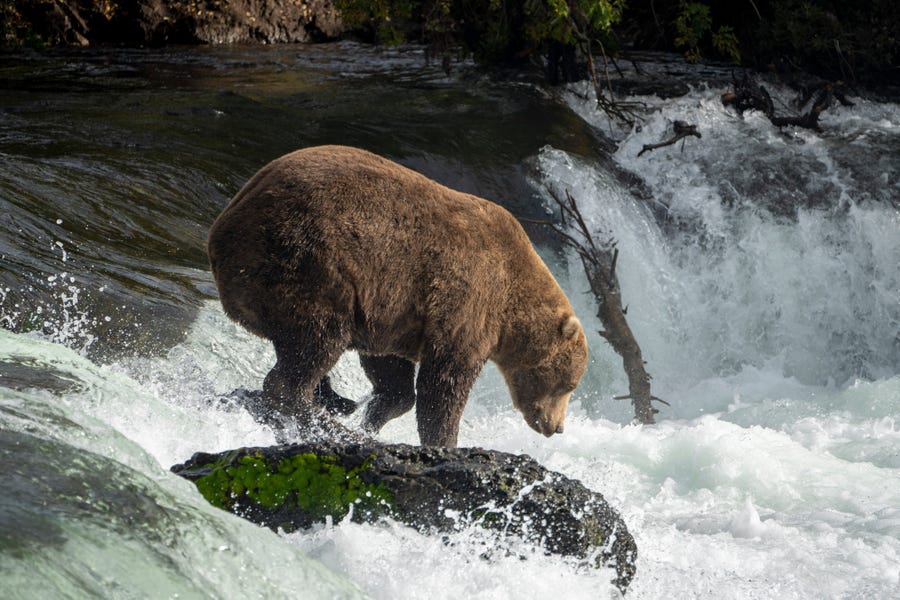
(431, 489)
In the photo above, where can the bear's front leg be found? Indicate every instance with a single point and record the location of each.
(442, 390)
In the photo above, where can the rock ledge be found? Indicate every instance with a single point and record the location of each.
(431, 489)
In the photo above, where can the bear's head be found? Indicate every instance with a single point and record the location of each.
(541, 391)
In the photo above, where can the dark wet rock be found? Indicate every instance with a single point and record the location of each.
(431, 489)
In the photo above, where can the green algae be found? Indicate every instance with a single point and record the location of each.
(318, 485)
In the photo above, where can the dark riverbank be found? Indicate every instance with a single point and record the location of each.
(162, 22)
(834, 41)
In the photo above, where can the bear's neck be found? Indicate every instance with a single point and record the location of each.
(535, 307)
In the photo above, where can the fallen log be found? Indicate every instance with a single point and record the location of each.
(749, 95)
(599, 262)
(289, 487)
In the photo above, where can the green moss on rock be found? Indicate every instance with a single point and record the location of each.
(319, 485)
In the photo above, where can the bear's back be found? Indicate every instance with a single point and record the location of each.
(365, 235)
(327, 197)
(340, 180)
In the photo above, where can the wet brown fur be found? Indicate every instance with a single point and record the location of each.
(333, 248)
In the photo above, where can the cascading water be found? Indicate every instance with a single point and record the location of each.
(758, 245)
(761, 269)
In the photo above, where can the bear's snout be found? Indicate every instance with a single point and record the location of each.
(550, 420)
(547, 427)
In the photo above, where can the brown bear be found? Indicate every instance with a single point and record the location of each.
(334, 248)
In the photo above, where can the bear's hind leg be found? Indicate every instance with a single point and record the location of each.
(394, 394)
(303, 359)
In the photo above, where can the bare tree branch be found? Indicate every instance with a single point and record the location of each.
(682, 130)
(599, 262)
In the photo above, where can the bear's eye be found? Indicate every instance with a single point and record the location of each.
(568, 388)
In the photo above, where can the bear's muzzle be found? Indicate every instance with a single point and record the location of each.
(549, 416)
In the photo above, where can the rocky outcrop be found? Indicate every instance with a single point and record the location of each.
(432, 489)
(156, 22)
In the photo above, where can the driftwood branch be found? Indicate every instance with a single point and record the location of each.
(749, 95)
(682, 130)
(617, 110)
(599, 262)
(579, 23)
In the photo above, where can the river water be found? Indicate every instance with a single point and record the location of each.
(761, 268)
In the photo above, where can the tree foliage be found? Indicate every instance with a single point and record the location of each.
(847, 40)
(694, 24)
(492, 30)
(836, 39)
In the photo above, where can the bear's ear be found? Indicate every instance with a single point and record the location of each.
(570, 327)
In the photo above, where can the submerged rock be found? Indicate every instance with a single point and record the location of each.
(431, 489)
